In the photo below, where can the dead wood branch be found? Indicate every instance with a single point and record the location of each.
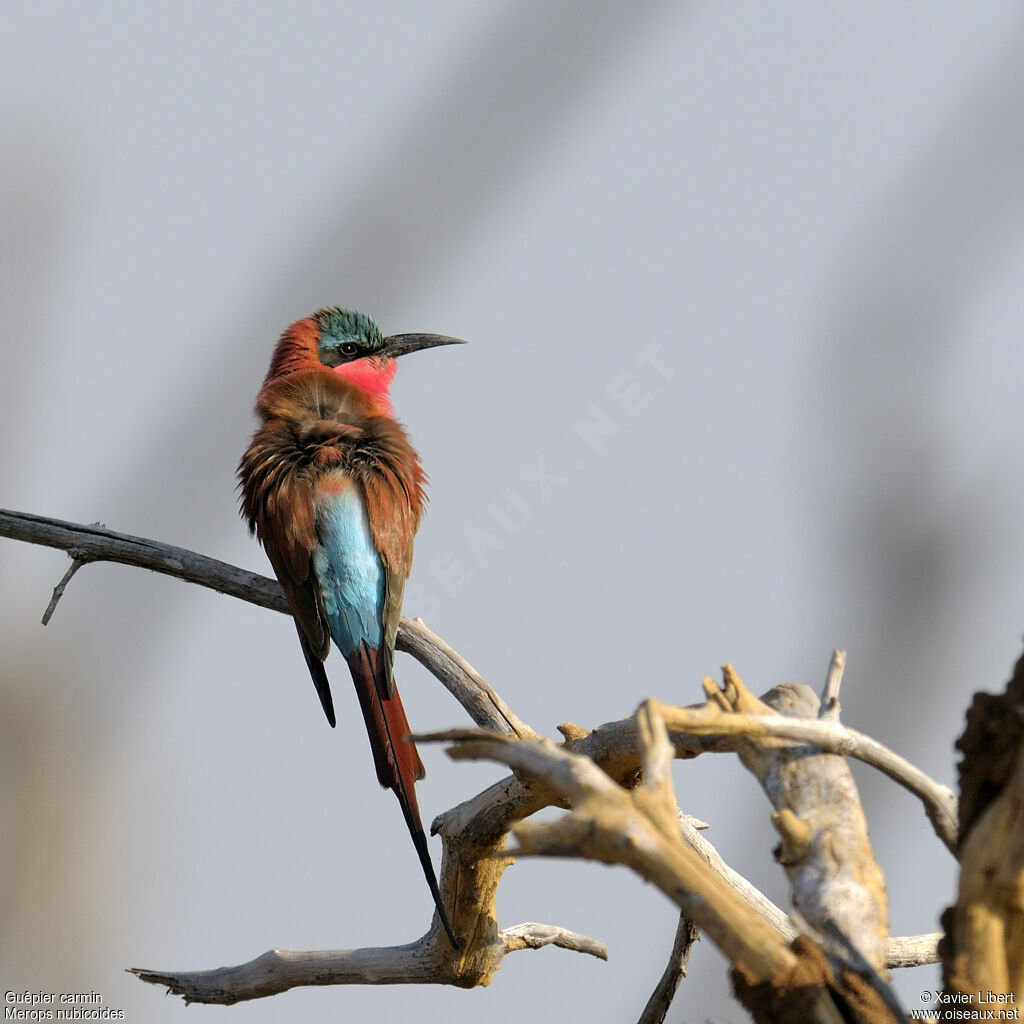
(730, 729)
(912, 950)
(95, 543)
(639, 829)
(983, 953)
(278, 970)
(417, 963)
(620, 755)
(825, 849)
(658, 1005)
(535, 936)
(830, 708)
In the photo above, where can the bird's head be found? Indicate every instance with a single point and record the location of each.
(346, 336)
(351, 344)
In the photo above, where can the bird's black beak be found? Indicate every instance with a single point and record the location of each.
(402, 344)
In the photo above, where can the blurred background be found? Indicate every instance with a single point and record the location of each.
(743, 290)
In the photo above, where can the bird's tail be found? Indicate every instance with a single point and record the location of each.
(394, 755)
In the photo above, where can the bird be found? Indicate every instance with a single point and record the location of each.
(334, 491)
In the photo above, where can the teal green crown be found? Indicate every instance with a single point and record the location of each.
(346, 334)
(348, 325)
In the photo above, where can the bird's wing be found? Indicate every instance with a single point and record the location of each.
(310, 624)
(278, 503)
(393, 524)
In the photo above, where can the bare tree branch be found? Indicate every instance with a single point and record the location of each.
(58, 591)
(622, 754)
(940, 803)
(775, 917)
(279, 970)
(664, 992)
(983, 950)
(418, 963)
(912, 950)
(603, 813)
(835, 880)
(830, 709)
(96, 543)
(535, 936)
(468, 687)
(639, 828)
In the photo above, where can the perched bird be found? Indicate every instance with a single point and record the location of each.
(334, 491)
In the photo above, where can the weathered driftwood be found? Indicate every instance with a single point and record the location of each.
(639, 828)
(95, 543)
(825, 847)
(661, 998)
(278, 970)
(624, 765)
(728, 732)
(984, 948)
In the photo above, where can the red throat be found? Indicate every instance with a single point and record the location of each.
(373, 376)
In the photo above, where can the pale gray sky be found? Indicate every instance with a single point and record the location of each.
(743, 290)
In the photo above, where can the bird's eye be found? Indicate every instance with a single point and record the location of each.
(348, 348)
